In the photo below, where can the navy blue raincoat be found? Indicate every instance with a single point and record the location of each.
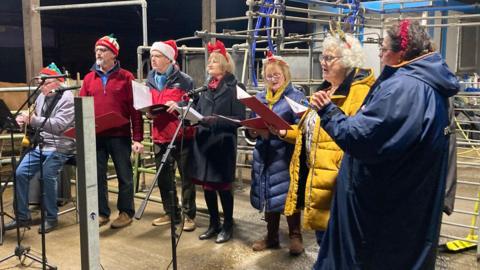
(388, 202)
(271, 159)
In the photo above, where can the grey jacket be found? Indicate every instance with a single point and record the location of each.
(61, 119)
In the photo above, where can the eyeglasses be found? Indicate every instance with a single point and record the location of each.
(157, 56)
(101, 50)
(383, 49)
(329, 58)
(273, 77)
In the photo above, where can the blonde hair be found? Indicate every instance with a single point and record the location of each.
(227, 66)
(284, 67)
(351, 51)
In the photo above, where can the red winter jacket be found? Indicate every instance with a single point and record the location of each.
(165, 124)
(115, 96)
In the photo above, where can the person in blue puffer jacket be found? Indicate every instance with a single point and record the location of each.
(388, 202)
(271, 157)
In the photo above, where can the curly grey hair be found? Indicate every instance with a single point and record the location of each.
(351, 50)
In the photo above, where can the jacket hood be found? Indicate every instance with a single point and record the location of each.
(433, 70)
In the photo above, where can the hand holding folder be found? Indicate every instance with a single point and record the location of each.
(102, 123)
(264, 113)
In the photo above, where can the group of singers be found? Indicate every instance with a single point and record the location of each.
(366, 162)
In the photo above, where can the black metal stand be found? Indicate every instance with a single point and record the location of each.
(37, 140)
(2, 212)
(173, 190)
(7, 122)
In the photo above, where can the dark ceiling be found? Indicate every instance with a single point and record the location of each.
(68, 35)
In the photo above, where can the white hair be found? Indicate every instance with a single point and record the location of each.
(351, 51)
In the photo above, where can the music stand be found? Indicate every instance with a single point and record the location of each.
(8, 122)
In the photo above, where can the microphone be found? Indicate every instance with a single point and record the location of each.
(44, 77)
(194, 92)
(63, 89)
(197, 91)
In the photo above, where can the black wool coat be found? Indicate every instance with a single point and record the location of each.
(215, 144)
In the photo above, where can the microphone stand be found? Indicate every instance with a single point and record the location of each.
(173, 190)
(12, 126)
(36, 140)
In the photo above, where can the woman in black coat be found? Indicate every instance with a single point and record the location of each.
(215, 144)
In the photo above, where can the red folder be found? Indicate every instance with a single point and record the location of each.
(103, 122)
(262, 110)
(255, 123)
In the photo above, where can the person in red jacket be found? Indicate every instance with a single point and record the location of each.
(111, 88)
(168, 85)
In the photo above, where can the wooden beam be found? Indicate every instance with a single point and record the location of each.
(32, 36)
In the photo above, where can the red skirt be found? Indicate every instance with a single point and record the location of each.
(212, 186)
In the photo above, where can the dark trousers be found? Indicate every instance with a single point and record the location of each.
(120, 150)
(167, 176)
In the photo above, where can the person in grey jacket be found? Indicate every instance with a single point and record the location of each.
(56, 150)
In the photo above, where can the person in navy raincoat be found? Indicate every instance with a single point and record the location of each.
(389, 197)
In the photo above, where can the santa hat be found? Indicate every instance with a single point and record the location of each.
(52, 70)
(167, 48)
(110, 42)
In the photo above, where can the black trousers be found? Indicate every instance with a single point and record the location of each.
(120, 150)
(180, 157)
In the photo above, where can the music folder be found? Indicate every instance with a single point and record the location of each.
(102, 123)
(263, 112)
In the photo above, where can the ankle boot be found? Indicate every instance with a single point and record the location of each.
(212, 205)
(211, 232)
(295, 234)
(225, 234)
(271, 240)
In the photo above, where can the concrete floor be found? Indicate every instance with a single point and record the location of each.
(142, 246)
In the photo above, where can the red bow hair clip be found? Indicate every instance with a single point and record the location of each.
(404, 34)
(273, 58)
(217, 47)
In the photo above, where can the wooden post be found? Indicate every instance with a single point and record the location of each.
(32, 36)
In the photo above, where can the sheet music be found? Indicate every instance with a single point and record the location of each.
(297, 108)
(192, 115)
(142, 98)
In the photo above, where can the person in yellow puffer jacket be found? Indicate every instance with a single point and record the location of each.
(316, 159)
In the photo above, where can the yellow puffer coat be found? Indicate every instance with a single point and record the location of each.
(325, 155)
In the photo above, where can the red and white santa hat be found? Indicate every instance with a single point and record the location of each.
(110, 42)
(167, 48)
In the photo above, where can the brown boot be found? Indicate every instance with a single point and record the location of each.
(271, 240)
(121, 221)
(295, 234)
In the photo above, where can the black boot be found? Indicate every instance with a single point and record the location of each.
(212, 205)
(21, 224)
(226, 197)
(225, 234)
(49, 226)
